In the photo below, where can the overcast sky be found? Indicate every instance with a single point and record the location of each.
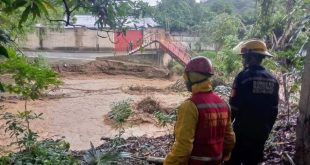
(153, 2)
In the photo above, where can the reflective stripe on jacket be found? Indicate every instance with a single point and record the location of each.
(254, 101)
(185, 128)
(212, 121)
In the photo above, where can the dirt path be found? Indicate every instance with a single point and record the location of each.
(75, 111)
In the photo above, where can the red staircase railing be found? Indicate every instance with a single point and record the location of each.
(175, 49)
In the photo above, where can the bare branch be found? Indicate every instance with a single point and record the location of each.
(67, 11)
(114, 42)
(100, 35)
(76, 7)
(274, 41)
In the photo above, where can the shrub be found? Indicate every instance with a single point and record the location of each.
(211, 54)
(47, 152)
(41, 61)
(30, 80)
(164, 119)
(120, 111)
(176, 67)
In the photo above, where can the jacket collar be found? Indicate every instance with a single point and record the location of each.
(205, 86)
(256, 67)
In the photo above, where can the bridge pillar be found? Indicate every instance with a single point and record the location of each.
(165, 58)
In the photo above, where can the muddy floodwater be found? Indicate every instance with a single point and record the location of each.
(75, 111)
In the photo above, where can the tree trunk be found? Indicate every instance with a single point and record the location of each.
(302, 156)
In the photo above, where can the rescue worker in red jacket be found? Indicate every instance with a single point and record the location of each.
(203, 130)
(254, 104)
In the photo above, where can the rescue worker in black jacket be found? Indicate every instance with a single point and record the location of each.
(254, 103)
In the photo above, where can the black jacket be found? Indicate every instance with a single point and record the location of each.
(254, 101)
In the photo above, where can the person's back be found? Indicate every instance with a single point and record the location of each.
(254, 103)
(212, 123)
(203, 131)
(257, 102)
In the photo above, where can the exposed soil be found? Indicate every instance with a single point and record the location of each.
(141, 90)
(112, 67)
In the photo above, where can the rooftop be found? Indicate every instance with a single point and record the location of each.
(89, 22)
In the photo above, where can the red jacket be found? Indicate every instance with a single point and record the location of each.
(191, 138)
(210, 131)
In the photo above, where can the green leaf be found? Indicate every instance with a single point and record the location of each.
(36, 10)
(6, 1)
(3, 51)
(25, 15)
(1, 88)
(19, 3)
(41, 7)
(49, 6)
(4, 37)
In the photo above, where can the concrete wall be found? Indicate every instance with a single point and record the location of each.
(56, 40)
(105, 42)
(85, 39)
(32, 42)
(69, 39)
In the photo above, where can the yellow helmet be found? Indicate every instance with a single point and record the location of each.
(255, 46)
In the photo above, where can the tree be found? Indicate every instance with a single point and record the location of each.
(284, 24)
(220, 6)
(221, 26)
(180, 15)
(280, 22)
(112, 15)
(302, 156)
(33, 78)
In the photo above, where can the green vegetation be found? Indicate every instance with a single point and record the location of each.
(226, 63)
(219, 29)
(180, 15)
(208, 53)
(120, 111)
(224, 23)
(100, 157)
(30, 79)
(164, 119)
(41, 61)
(42, 152)
(176, 67)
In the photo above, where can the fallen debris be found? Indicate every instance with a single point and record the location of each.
(112, 67)
(143, 111)
(282, 139)
(140, 90)
(140, 149)
(223, 91)
(178, 86)
(149, 105)
(279, 148)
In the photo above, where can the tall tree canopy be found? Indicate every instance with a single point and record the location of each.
(179, 15)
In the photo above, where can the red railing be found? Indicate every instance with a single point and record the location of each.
(175, 49)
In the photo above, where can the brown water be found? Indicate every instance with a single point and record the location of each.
(76, 110)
